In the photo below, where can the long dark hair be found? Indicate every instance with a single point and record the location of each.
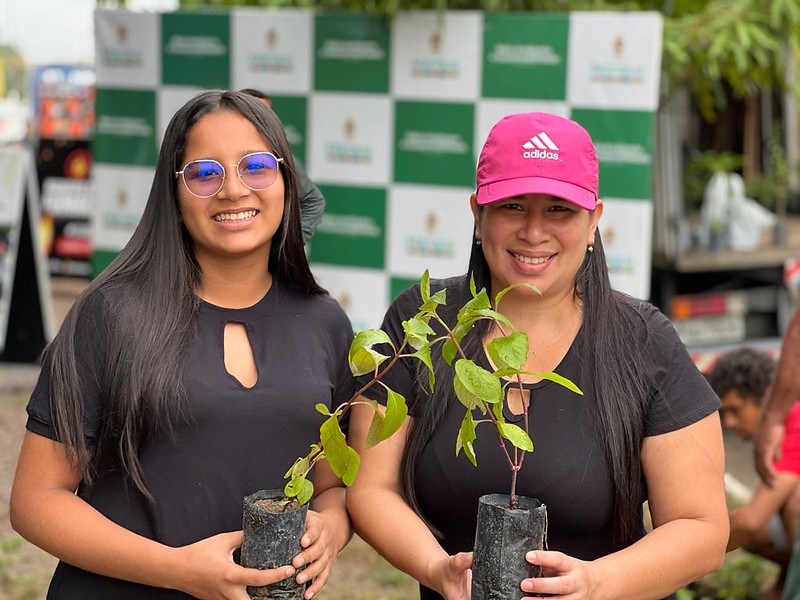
(619, 377)
(150, 306)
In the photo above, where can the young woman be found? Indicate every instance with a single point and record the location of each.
(646, 427)
(185, 378)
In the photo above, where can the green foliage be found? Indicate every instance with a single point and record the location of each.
(742, 576)
(732, 46)
(772, 188)
(477, 389)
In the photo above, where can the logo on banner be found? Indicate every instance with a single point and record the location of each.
(118, 219)
(540, 146)
(627, 153)
(196, 45)
(346, 151)
(433, 142)
(435, 67)
(119, 56)
(270, 61)
(617, 72)
(524, 54)
(344, 301)
(430, 246)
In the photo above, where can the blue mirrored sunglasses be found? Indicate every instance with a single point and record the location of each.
(205, 177)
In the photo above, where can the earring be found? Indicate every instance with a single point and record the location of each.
(590, 248)
(478, 241)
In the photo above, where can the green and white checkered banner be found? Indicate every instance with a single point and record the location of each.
(389, 120)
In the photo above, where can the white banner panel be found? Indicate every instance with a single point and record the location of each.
(437, 55)
(168, 100)
(614, 60)
(627, 230)
(429, 228)
(128, 51)
(352, 136)
(271, 50)
(363, 293)
(119, 194)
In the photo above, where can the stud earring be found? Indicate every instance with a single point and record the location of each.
(590, 248)
(478, 241)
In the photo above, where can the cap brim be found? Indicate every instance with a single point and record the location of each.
(500, 190)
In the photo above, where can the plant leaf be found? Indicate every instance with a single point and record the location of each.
(474, 384)
(510, 350)
(516, 435)
(365, 360)
(396, 413)
(300, 488)
(375, 427)
(361, 357)
(467, 435)
(425, 286)
(342, 458)
(424, 356)
(559, 379)
(507, 289)
(417, 332)
(322, 409)
(449, 351)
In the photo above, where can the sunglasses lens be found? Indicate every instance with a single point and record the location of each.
(258, 170)
(203, 177)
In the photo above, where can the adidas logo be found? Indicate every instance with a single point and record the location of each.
(540, 146)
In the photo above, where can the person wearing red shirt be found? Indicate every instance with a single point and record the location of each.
(766, 524)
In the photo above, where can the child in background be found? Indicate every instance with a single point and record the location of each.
(766, 524)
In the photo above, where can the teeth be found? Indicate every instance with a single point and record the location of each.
(245, 214)
(531, 261)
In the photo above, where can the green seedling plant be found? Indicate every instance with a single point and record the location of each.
(480, 391)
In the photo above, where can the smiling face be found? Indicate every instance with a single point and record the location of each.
(537, 239)
(236, 221)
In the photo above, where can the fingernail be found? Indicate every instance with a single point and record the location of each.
(531, 556)
(302, 578)
(289, 571)
(299, 561)
(310, 595)
(527, 585)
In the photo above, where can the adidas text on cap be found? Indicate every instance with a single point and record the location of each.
(538, 153)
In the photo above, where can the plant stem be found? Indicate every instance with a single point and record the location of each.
(511, 465)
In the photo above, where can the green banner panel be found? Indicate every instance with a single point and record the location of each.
(196, 49)
(525, 56)
(624, 143)
(292, 112)
(434, 143)
(351, 53)
(126, 127)
(353, 228)
(100, 260)
(398, 285)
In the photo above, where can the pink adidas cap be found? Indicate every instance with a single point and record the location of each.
(538, 153)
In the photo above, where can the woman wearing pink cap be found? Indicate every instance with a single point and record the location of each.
(646, 427)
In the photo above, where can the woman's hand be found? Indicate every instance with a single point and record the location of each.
(454, 576)
(209, 572)
(320, 550)
(562, 576)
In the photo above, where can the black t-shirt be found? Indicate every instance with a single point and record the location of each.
(230, 440)
(567, 470)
